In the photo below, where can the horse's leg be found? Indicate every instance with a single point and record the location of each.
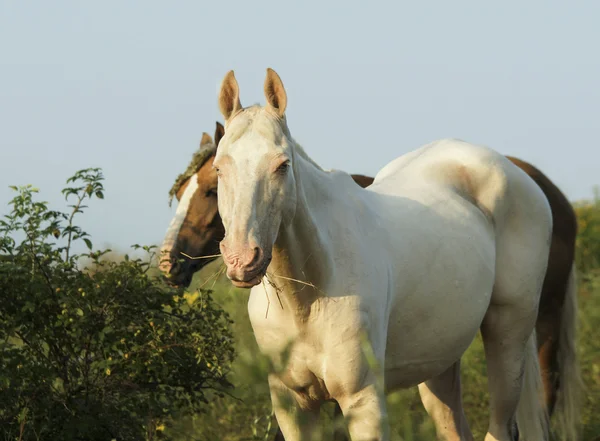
(547, 330)
(279, 435)
(508, 333)
(339, 434)
(296, 422)
(365, 412)
(442, 399)
(505, 332)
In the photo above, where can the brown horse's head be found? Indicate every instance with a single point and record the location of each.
(196, 229)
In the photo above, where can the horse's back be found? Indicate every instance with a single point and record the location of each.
(477, 173)
(515, 206)
(446, 162)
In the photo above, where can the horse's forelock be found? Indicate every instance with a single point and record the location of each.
(198, 160)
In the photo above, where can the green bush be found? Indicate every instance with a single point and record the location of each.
(100, 354)
(588, 235)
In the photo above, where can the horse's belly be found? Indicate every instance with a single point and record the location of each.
(418, 352)
(434, 320)
(415, 359)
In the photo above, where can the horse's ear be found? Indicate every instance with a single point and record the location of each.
(275, 93)
(206, 139)
(219, 133)
(229, 96)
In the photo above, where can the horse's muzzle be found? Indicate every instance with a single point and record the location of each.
(246, 264)
(179, 273)
(248, 277)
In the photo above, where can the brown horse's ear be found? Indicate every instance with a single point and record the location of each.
(206, 139)
(229, 96)
(275, 93)
(219, 133)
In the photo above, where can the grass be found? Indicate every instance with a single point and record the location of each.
(246, 415)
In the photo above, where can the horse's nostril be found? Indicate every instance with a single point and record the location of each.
(256, 256)
(245, 257)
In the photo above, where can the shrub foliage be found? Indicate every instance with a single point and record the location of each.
(101, 354)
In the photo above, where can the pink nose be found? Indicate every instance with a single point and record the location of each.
(246, 257)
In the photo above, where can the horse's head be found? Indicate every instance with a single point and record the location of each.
(257, 190)
(196, 229)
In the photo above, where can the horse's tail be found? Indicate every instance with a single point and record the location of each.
(570, 389)
(532, 415)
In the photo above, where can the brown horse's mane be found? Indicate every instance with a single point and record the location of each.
(199, 158)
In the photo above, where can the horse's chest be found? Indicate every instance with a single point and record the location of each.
(299, 350)
(299, 364)
(303, 373)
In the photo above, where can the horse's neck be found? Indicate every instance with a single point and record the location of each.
(305, 250)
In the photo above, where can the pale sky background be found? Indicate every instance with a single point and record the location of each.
(130, 86)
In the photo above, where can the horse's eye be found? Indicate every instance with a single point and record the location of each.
(211, 193)
(283, 167)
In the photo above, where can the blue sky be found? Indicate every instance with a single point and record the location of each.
(131, 86)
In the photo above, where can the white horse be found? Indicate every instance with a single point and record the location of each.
(454, 238)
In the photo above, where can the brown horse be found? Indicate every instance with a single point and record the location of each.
(196, 230)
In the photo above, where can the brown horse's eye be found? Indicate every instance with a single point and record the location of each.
(211, 193)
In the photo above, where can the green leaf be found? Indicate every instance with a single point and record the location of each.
(88, 243)
(58, 384)
(99, 195)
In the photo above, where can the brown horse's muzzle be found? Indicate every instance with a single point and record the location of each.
(178, 276)
(178, 270)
